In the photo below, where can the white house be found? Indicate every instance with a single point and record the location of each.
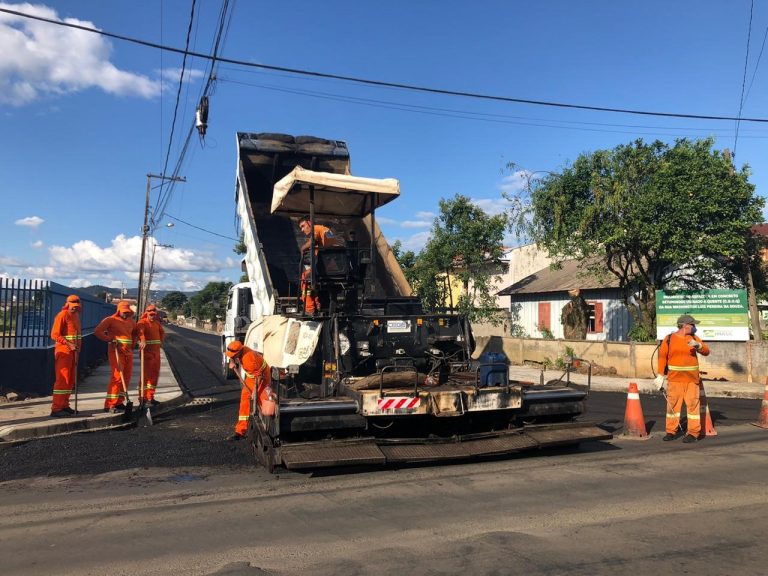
(537, 300)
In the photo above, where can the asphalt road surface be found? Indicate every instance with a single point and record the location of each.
(177, 498)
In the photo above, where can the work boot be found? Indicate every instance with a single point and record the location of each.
(668, 437)
(115, 409)
(68, 410)
(59, 414)
(690, 439)
(154, 403)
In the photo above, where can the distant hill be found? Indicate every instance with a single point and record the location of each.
(156, 295)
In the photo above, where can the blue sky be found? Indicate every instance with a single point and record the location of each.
(84, 118)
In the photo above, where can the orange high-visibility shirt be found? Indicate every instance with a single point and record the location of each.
(152, 333)
(680, 360)
(66, 328)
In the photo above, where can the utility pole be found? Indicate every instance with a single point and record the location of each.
(152, 264)
(141, 298)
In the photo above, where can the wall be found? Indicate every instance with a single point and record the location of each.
(728, 361)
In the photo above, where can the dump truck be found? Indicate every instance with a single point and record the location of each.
(370, 378)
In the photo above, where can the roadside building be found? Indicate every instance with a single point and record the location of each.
(536, 302)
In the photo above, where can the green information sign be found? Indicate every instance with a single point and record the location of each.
(722, 314)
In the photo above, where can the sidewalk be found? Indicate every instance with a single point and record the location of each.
(31, 418)
(644, 385)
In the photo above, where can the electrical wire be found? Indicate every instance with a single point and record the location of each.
(381, 83)
(481, 116)
(200, 228)
(178, 90)
(744, 78)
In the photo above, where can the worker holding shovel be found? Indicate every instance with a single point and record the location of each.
(67, 334)
(151, 336)
(256, 377)
(120, 331)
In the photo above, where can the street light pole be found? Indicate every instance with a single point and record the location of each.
(141, 298)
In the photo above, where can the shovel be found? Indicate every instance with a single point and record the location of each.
(128, 403)
(142, 403)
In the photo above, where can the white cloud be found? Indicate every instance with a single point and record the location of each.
(171, 75)
(39, 244)
(416, 242)
(386, 221)
(491, 206)
(39, 58)
(29, 221)
(516, 182)
(415, 224)
(6, 261)
(124, 255)
(425, 215)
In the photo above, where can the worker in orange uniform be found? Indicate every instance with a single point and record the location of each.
(67, 334)
(120, 331)
(324, 236)
(678, 360)
(257, 377)
(309, 297)
(151, 336)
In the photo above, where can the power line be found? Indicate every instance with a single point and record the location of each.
(744, 78)
(202, 229)
(178, 90)
(382, 83)
(481, 116)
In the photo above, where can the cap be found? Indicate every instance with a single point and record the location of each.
(73, 299)
(234, 348)
(686, 319)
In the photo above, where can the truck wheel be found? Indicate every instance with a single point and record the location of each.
(263, 453)
(226, 372)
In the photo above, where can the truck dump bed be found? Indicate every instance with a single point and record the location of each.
(264, 160)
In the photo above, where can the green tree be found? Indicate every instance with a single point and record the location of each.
(466, 245)
(211, 301)
(240, 248)
(174, 301)
(651, 215)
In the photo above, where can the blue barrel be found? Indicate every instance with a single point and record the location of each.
(494, 369)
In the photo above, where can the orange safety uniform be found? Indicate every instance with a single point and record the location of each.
(67, 334)
(121, 331)
(309, 297)
(152, 334)
(681, 364)
(257, 377)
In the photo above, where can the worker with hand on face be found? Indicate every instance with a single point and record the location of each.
(257, 379)
(678, 360)
(151, 336)
(120, 331)
(324, 236)
(67, 334)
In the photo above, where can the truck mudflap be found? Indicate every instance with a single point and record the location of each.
(383, 451)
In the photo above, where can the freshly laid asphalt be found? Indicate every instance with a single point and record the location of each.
(30, 419)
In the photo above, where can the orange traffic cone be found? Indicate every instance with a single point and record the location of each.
(634, 423)
(708, 429)
(762, 420)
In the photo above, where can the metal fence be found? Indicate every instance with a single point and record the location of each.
(28, 307)
(27, 310)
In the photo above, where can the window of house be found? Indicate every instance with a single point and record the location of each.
(595, 323)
